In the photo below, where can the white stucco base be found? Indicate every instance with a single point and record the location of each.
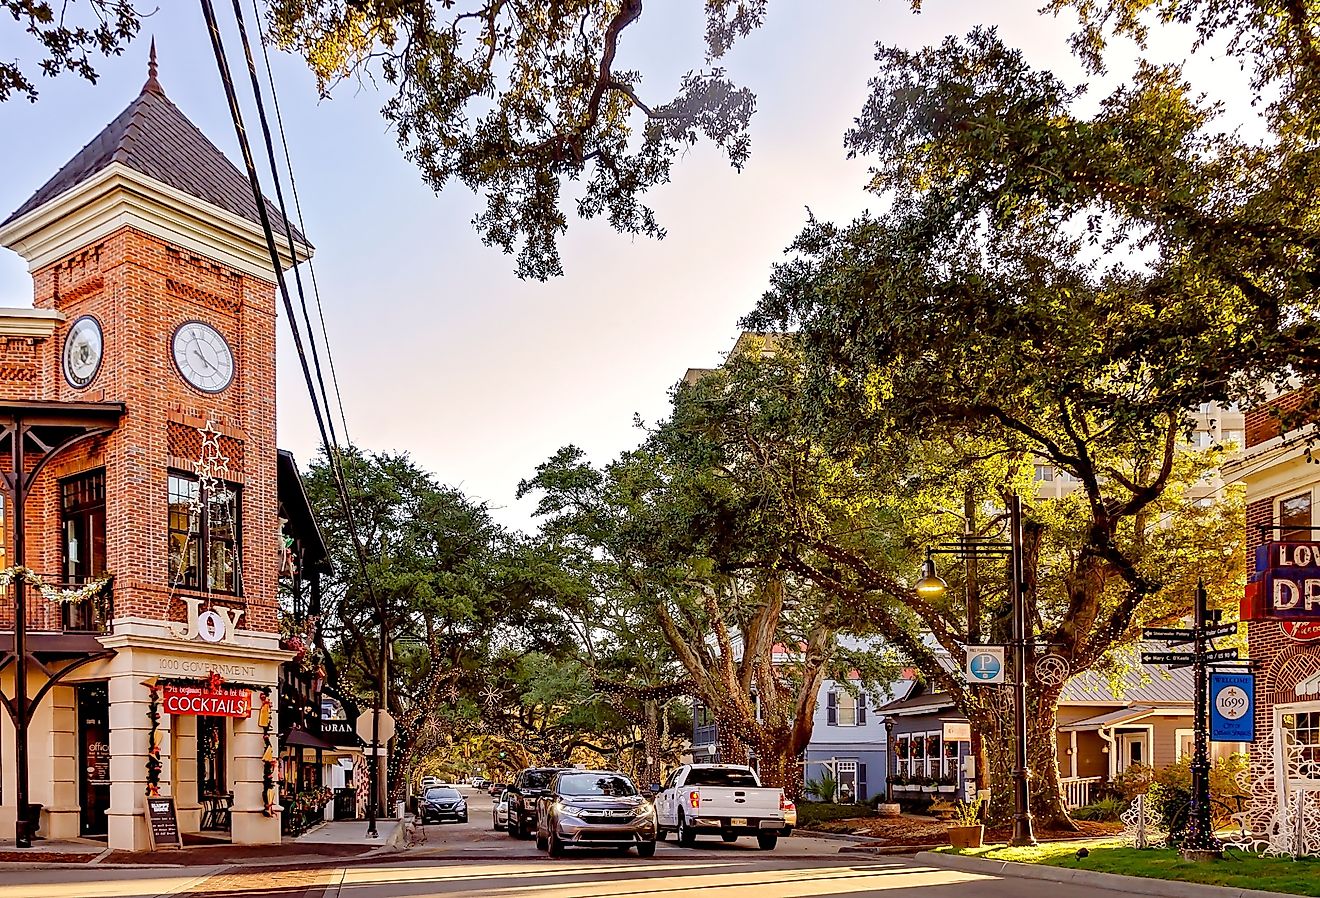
(145, 650)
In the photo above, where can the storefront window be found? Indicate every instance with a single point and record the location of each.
(1295, 517)
(1304, 729)
(204, 535)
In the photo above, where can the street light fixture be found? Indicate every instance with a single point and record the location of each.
(931, 586)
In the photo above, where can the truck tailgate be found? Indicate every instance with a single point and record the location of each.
(725, 801)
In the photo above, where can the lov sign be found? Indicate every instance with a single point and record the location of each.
(218, 625)
(1289, 581)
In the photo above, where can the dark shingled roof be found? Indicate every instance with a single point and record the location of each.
(153, 137)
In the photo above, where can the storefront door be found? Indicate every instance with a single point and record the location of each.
(93, 756)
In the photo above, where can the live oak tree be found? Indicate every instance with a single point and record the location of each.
(516, 98)
(444, 582)
(68, 36)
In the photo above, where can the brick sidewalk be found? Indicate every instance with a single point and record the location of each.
(300, 882)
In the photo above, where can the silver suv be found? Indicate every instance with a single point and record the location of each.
(594, 808)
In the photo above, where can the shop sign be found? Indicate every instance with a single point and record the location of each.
(1288, 581)
(1232, 707)
(163, 823)
(1301, 630)
(214, 625)
(955, 731)
(200, 701)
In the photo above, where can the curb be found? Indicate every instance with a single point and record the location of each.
(1117, 882)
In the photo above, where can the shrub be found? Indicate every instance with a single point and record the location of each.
(824, 787)
(823, 812)
(1106, 809)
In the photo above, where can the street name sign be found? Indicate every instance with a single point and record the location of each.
(1166, 658)
(1221, 655)
(985, 664)
(1166, 634)
(1221, 630)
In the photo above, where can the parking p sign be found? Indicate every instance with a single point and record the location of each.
(985, 664)
(1232, 707)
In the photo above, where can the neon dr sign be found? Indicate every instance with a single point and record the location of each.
(1287, 582)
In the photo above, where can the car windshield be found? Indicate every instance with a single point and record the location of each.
(537, 779)
(442, 794)
(717, 776)
(609, 784)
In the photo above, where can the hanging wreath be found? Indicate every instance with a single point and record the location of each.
(901, 748)
(82, 593)
(932, 746)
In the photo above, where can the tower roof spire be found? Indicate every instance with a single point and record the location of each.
(152, 84)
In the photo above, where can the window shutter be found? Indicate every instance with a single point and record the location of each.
(832, 710)
(862, 795)
(861, 709)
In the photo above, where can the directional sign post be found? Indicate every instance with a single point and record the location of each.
(985, 664)
(1175, 659)
(1221, 655)
(1167, 634)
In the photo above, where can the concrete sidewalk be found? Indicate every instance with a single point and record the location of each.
(351, 832)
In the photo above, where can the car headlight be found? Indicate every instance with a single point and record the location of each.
(645, 810)
(571, 810)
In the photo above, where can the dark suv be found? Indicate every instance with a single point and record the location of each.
(523, 795)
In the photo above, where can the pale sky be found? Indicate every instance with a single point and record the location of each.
(441, 350)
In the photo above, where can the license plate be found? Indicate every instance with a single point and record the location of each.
(738, 821)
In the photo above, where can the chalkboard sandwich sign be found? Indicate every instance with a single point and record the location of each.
(163, 823)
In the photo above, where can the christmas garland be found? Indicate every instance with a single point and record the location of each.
(213, 682)
(268, 790)
(86, 591)
(153, 742)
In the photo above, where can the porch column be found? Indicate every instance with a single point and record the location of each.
(130, 732)
(1072, 754)
(63, 816)
(248, 820)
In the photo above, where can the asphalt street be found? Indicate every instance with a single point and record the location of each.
(472, 861)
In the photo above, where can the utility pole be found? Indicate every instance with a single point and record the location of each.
(974, 625)
(1023, 833)
(373, 800)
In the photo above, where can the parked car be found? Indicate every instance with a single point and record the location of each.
(481, 783)
(726, 800)
(595, 809)
(441, 803)
(523, 795)
(497, 788)
(499, 813)
(430, 781)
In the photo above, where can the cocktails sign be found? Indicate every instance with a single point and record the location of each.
(206, 702)
(1287, 582)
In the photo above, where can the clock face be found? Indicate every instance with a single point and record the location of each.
(203, 357)
(83, 349)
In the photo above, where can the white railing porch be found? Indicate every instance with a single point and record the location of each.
(1080, 790)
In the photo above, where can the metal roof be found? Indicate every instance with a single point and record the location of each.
(153, 137)
(1140, 685)
(1108, 719)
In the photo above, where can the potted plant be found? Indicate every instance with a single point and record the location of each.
(929, 784)
(965, 828)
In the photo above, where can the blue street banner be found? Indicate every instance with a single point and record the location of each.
(1232, 707)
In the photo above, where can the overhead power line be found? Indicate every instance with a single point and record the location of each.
(245, 147)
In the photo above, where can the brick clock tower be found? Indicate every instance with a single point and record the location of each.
(154, 306)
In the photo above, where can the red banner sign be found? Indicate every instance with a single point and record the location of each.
(1287, 582)
(195, 700)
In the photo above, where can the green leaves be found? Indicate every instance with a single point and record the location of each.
(514, 98)
(68, 39)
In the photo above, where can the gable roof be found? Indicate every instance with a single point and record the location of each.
(153, 137)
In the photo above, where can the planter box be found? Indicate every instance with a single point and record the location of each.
(906, 788)
(948, 789)
(966, 836)
(930, 789)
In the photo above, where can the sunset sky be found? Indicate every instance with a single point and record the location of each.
(441, 350)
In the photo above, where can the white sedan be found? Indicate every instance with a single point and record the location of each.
(499, 814)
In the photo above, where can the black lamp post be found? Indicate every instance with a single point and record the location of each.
(932, 586)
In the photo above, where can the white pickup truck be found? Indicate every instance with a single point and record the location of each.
(726, 800)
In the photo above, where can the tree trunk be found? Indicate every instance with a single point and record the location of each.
(996, 732)
(1047, 798)
(779, 764)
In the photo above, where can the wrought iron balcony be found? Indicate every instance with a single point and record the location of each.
(91, 615)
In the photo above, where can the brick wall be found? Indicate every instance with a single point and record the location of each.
(1266, 421)
(141, 289)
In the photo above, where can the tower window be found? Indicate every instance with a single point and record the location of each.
(205, 536)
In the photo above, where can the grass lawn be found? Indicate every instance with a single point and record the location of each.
(1110, 856)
